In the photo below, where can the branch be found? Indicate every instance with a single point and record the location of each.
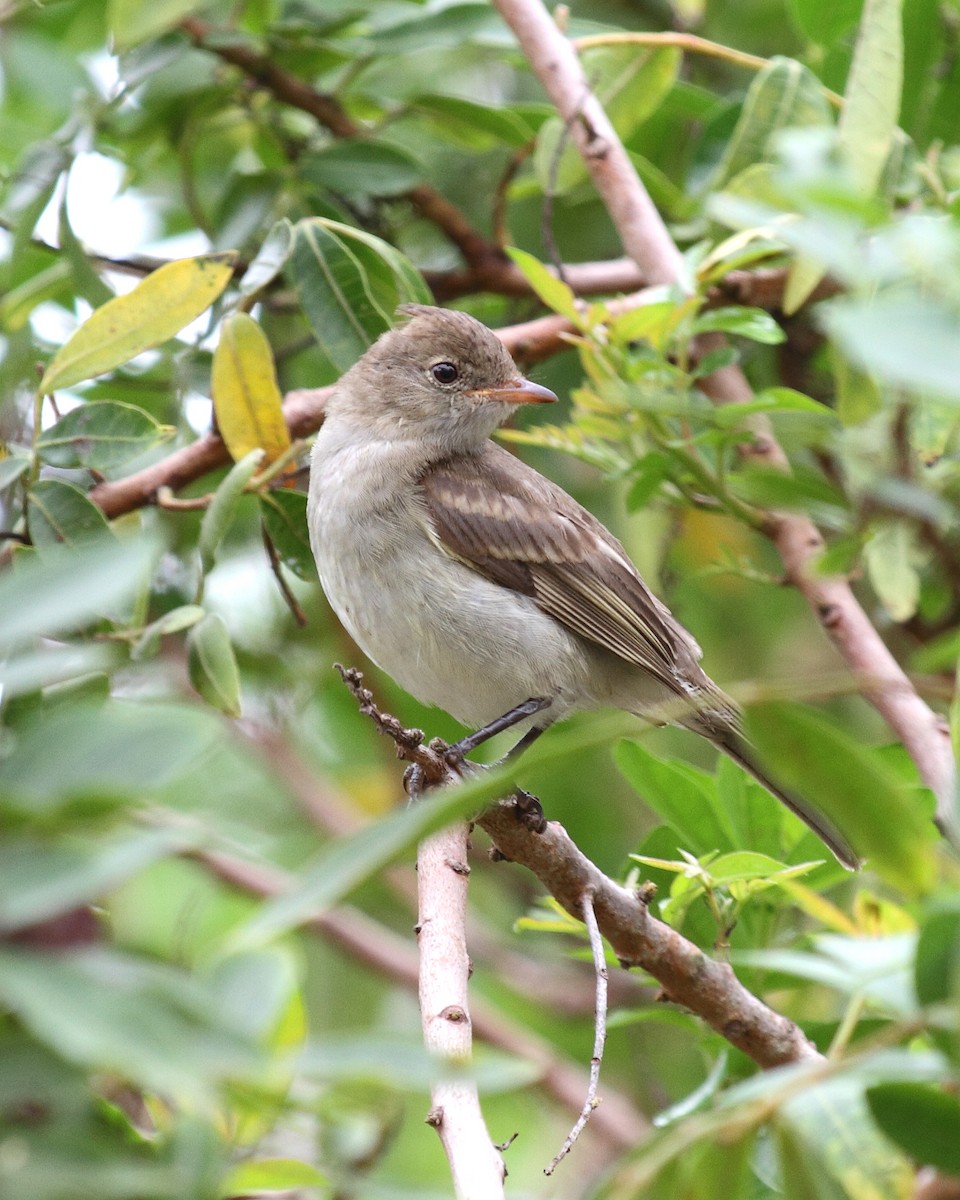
(646, 239)
(381, 949)
(476, 1166)
(599, 1035)
(329, 113)
(707, 988)
(529, 342)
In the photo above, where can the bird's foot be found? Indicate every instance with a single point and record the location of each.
(455, 757)
(529, 811)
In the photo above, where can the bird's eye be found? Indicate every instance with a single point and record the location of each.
(444, 372)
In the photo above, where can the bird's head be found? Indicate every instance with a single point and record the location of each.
(441, 376)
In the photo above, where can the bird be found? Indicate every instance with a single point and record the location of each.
(480, 586)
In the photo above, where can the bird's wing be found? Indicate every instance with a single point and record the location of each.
(512, 525)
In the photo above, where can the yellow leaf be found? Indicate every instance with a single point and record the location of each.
(804, 276)
(246, 395)
(818, 907)
(157, 308)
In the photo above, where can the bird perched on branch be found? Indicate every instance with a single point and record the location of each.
(477, 584)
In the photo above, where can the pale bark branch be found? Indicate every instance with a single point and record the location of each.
(589, 918)
(617, 1125)
(476, 1166)
(647, 240)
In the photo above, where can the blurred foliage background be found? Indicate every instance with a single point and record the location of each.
(175, 747)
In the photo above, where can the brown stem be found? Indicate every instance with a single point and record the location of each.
(647, 240)
(688, 976)
(328, 112)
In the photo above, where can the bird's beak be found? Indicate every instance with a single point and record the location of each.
(517, 391)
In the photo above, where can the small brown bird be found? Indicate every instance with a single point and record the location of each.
(477, 584)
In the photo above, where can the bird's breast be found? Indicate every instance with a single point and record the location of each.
(445, 633)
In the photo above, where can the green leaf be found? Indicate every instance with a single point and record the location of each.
(157, 308)
(647, 476)
(784, 94)
(890, 556)
(805, 274)
(907, 340)
(43, 879)
(246, 394)
(18, 303)
(805, 489)
(451, 27)
(131, 21)
(752, 323)
(49, 665)
(826, 24)
(630, 83)
(12, 468)
(934, 423)
(831, 1150)
(101, 435)
(771, 400)
(362, 167)
(223, 507)
(857, 396)
(679, 795)
(349, 284)
(213, 665)
(64, 591)
(174, 621)
(747, 864)
(143, 1021)
(938, 955)
(872, 97)
(554, 293)
(61, 515)
(476, 126)
(269, 261)
(923, 1119)
(261, 1176)
(119, 751)
(853, 786)
(284, 515)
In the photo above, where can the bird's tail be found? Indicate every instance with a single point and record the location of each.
(739, 749)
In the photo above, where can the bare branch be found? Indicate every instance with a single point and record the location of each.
(644, 235)
(442, 872)
(599, 1034)
(707, 988)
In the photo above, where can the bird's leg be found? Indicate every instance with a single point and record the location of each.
(456, 753)
(526, 741)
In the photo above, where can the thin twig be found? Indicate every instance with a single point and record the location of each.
(599, 1033)
(691, 44)
(289, 598)
(167, 500)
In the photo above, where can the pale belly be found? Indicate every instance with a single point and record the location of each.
(450, 637)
